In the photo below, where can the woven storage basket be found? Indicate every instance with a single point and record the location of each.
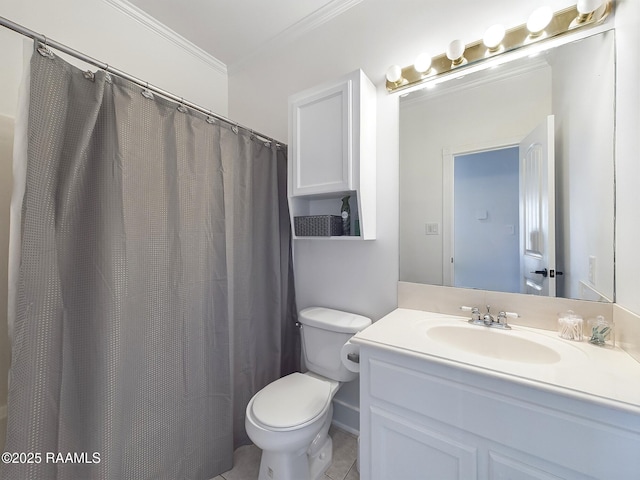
(318, 225)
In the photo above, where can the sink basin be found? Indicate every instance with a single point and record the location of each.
(505, 345)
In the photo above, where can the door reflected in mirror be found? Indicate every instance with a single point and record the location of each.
(478, 247)
(455, 201)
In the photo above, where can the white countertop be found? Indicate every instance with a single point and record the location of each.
(598, 374)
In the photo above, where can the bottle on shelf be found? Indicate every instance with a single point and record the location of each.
(345, 212)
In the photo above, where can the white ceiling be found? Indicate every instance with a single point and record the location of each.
(234, 30)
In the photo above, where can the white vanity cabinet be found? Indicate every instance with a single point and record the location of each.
(429, 418)
(332, 151)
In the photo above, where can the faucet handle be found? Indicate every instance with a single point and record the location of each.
(475, 313)
(501, 321)
(473, 310)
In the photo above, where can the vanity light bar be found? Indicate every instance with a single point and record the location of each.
(561, 23)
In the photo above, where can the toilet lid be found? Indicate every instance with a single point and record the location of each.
(291, 401)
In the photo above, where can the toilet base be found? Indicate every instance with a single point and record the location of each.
(284, 465)
(321, 461)
(296, 465)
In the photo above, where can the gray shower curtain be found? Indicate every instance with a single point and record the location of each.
(154, 294)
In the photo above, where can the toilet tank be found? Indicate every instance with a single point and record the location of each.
(324, 332)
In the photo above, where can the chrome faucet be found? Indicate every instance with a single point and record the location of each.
(489, 320)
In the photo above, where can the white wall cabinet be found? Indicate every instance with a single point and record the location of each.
(332, 151)
(424, 419)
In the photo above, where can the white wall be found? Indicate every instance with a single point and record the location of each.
(628, 155)
(98, 29)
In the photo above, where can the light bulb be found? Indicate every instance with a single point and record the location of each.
(585, 7)
(394, 74)
(455, 52)
(422, 63)
(493, 36)
(539, 19)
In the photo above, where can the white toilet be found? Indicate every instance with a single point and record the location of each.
(289, 419)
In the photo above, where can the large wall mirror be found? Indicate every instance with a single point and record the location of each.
(507, 176)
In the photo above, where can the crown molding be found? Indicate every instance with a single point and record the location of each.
(329, 11)
(160, 29)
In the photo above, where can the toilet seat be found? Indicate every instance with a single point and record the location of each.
(291, 401)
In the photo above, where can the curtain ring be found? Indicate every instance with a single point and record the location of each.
(146, 93)
(181, 108)
(44, 49)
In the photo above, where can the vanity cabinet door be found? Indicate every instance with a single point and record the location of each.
(400, 448)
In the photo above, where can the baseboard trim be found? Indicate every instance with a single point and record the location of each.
(346, 417)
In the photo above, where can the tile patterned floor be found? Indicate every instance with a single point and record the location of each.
(246, 460)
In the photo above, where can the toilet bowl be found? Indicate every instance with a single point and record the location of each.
(289, 419)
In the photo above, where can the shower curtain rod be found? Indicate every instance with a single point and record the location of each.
(5, 22)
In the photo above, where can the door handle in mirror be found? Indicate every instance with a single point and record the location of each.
(544, 272)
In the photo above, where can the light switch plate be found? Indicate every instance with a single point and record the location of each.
(431, 228)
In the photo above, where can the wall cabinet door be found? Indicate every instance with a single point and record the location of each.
(322, 157)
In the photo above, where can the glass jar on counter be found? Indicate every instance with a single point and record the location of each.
(601, 332)
(570, 326)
